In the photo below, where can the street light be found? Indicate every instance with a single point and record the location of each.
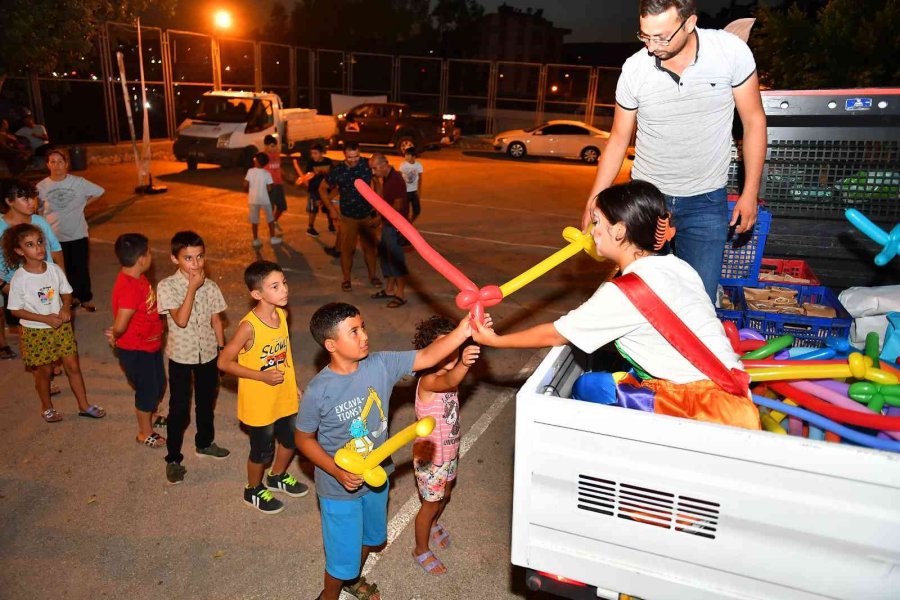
(222, 19)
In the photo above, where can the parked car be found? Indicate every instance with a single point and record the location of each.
(566, 139)
(228, 128)
(395, 125)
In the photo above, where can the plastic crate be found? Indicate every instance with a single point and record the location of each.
(743, 253)
(794, 268)
(808, 332)
(735, 315)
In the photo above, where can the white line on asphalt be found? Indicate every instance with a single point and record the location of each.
(409, 509)
(568, 217)
(487, 240)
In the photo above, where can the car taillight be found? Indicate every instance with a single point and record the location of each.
(562, 579)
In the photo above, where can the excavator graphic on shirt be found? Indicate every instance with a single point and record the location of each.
(362, 439)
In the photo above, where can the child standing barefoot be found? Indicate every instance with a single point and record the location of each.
(41, 297)
(436, 457)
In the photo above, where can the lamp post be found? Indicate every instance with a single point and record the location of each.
(222, 21)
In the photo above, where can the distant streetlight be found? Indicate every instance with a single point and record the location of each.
(222, 19)
(554, 88)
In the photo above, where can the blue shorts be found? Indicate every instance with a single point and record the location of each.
(347, 526)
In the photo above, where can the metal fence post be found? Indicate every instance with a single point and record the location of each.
(107, 72)
(445, 86)
(257, 67)
(216, 62)
(168, 87)
(492, 97)
(591, 99)
(541, 96)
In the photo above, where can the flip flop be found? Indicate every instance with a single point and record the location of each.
(345, 286)
(93, 412)
(381, 294)
(396, 302)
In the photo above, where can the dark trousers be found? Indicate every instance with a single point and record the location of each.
(75, 254)
(205, 378)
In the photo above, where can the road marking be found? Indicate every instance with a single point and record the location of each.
(409, 509)
(506, 208)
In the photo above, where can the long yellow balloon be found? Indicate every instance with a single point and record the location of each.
(858, 367)
(370, 466)
(578, 241)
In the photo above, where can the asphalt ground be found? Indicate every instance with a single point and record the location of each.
(85, 512)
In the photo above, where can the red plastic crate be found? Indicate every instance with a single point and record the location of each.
(794, 268)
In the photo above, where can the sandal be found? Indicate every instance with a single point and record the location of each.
(88, 307)
(356, 590)
(51, 415)
(6, 353)
(161, 422)
(381, 294)
(93, 412)
(376, 282)
(429, 562)
(154, 440)
(440, 536)
(396, 302)
(345, 286)
(54, 389)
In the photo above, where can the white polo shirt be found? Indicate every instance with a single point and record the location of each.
(684, 123)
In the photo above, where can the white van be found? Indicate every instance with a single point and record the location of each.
(609, 500)
(228, 128)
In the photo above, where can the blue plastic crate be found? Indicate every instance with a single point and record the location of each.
(743, 253)
(735, 315)
(808, 332)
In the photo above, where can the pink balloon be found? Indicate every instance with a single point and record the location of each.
(470, 297)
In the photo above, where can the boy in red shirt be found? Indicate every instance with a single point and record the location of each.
(137, 333)
(276, 194)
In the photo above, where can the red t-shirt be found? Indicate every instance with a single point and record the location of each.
(145, 327)
(274, 167)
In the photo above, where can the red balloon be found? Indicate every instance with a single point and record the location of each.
(750, 345)
(470, 297)
(731, 331)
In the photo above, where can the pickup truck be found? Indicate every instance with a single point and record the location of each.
(394, 125)
(228, 128)
(610, 500)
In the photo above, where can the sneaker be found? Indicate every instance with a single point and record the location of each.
(175, 473)
(312, 231)
(212, 451)
(287, 484)
(262, 500)
(275, 240)
(256, 243)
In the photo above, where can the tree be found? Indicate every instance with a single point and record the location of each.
(457, 26)
(845, 43)
(277, 29)
(49, 35)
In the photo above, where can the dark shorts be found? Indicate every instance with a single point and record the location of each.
(276, 197)
(314, 204)
(262, 439)
(146, 375)
(393, 260)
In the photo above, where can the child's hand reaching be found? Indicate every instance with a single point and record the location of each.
(483, 333)
(469, 355)
(347, 479)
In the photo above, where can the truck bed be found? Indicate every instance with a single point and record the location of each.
(660, 507)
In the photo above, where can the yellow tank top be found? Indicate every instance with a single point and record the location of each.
(260, 404)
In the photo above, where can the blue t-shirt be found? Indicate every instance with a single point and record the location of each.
(51, 243)
(351, 411)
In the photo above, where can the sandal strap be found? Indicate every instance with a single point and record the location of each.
(428, 565)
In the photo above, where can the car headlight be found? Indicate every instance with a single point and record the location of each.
(222, 142)
(501, 140)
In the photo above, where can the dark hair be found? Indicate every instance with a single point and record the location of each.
(185, 239)
(262, 159)
(257, 271)
(636, 204)
(270, 139)
(410, 151)
(11, 239)
(685, 8)
(130, 247)
(62, 154)
(15, 188)
(318, 147)
(325, 321)
(352, 145)
(429, 329)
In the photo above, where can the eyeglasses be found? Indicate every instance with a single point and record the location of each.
(663, 43)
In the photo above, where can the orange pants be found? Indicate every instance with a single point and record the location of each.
(366, 231)
(702, 401)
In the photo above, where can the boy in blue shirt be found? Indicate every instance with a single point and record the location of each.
(346, 406)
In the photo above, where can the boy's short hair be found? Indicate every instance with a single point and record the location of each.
(318, 147)
(184, 239)
(270, 139)
(411, 151)
(429, 329)
(351, 145)
(262, 159)
(325, 321)
(257, 271)
(130, 247)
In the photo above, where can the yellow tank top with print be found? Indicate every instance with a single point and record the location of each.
(261, 404)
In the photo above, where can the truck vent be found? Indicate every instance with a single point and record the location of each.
(648, 506)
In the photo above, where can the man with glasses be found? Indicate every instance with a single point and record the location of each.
(680, 92)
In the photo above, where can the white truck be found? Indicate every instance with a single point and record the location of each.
(609, 500)
(228, 128)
